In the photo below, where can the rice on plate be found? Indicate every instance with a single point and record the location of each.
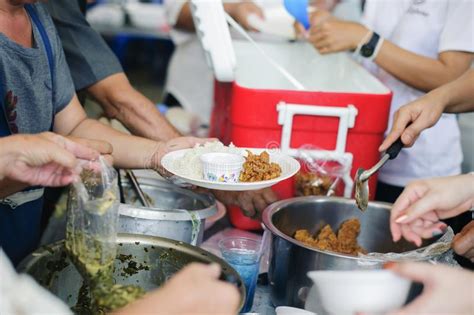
(190, 165)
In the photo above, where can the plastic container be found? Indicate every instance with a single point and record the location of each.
(222, 167)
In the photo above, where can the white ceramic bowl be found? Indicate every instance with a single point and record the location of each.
(365, 291)
(222, 167)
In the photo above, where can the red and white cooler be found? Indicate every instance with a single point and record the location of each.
(343, 109)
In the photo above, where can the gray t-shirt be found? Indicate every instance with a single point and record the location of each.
(87, 54)
(28, 100)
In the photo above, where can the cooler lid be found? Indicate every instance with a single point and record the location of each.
(213, 32)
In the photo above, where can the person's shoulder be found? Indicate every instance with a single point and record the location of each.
(43, 14)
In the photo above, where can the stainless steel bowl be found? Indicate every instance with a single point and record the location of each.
(291, 260)
(50, 266)
(177, 213)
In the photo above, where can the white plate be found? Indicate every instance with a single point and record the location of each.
(289, 167)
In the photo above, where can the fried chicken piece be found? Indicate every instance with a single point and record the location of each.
(327, 239)
(345, 242)
(305, 237)
(308, 184)
(258, 167)
(347, 237)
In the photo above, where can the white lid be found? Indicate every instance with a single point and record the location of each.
(213, 32)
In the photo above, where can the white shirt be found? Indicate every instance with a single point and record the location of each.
(189, 78)
(427, 28)
(20, 294)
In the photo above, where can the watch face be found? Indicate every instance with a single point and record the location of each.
(366, 51)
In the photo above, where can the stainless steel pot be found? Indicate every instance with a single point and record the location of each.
(177, 213)
(162, 257)
(291, 260)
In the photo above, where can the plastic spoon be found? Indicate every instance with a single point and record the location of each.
(299, 10)
(362, 176)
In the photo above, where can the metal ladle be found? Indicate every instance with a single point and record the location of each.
(362, 176)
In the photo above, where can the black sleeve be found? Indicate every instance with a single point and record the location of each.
(87, 54)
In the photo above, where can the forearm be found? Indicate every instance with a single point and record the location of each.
(458, 96)
(128, 151)
(422, 73)
(7, 186)
(121, 101)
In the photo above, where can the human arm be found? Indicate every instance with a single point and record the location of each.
(463, 242)
(195, 288)
(417, 212)
(411, 119)
(239, 11)
(329, 35)
(45, 159)
(120, 100)
(128, 151)
(446, 290)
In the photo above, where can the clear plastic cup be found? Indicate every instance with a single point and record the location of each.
(243, 254)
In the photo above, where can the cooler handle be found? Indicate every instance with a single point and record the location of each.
(346, 115)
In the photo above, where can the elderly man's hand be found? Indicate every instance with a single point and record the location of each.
(45, 159)
(463, 243)
(252, 203)
(175, 144)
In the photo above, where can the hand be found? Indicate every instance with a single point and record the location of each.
(300, 31)
(463, 243)
(46, 159)
(241, 11)
(252, 203)
(411, 119)
(169, 146)
(416, 213)
(447, 290)
(194, 289)
(328, 34)
(104, 148)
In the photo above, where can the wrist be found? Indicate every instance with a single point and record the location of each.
(469, 183)
(157, 153)
(361, 36)
(8, 154)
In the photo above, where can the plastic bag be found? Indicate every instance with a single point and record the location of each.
(439, 252)
(319, 177)
(92, 219)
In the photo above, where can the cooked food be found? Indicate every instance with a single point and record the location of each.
(190, 165)
(258, 167)
(345, 242)
(310, 184)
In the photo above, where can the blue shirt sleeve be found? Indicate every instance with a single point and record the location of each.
(87, 54)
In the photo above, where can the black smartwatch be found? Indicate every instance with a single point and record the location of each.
(368, 49)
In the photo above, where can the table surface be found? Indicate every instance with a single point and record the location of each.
(262, 303)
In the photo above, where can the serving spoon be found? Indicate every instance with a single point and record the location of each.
(362, 176)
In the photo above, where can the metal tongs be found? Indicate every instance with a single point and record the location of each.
(362, 176)
(136, 186)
